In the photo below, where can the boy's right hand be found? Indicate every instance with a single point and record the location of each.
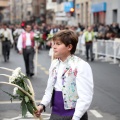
(39, 110)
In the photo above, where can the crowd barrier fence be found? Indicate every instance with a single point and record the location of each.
(109, 49)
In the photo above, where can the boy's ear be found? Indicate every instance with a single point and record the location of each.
(70, 47)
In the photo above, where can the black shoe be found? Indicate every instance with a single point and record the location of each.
(92, 59)
(31, 74)
(87, 59)
(5, 60)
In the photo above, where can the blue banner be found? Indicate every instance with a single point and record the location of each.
(68, 6)
(99, 7)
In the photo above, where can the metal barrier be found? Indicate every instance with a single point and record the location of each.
(0, 49)
(108, 48)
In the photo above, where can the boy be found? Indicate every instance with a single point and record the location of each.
(70, 84)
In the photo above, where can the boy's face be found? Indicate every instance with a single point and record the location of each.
(60, 50)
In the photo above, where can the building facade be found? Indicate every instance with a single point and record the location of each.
(65, 12)
(39, 10)
(4, 13)
(105, 11)
(50, 11)
(20, 10)
(83, 12)
(27, 10)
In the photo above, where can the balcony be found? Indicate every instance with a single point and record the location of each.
(4, 3)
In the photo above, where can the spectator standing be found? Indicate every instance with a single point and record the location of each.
(88, 38)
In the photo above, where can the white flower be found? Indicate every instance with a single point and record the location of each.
(15, 91)
(11, 79)
(16, 73)
(38, 32)
(37, 36)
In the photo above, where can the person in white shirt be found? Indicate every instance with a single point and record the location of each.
(7, 40)
(25, 46)
(70, 83)
(19, 30)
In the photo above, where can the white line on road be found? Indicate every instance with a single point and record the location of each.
(29, 116)
(46, 72)
(42, 68)
(15, 118)
(14, 102)
(96, 114)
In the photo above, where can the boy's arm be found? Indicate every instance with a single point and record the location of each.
(84, 83)
(19, 44)
(49, 89)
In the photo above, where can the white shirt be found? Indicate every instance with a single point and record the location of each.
(18, 31)
(8, 34)
(58, 86)
(28, 41)
(84, 84)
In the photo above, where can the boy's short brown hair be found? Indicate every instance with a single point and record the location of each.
(67, 37)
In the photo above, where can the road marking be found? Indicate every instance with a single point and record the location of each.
(39, 65)
(42, 68)
(96, 114)
(15, 102)
(46, 72)
(29, 116)
(15, 118)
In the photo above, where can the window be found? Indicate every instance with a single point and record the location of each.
(115, 15)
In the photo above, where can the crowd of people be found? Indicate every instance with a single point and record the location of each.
(106, 32)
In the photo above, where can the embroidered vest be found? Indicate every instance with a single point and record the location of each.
(24, 39)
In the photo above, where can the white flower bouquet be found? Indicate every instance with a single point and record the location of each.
(23, 91)
(37, 37)
(1, 35)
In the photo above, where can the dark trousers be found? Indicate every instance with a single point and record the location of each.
(89, 50)
(15, 44)
(57, 117)
(58, 111)
(28, 55)
(6, 49)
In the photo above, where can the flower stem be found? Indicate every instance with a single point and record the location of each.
(32, 98)
(5, 75)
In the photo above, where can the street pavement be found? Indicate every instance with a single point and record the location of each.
(106, 100)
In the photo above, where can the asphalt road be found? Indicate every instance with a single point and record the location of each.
(106, 101)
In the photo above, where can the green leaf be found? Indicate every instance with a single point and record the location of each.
(24, 108)
(26, 99)
(25, 86)
(20, 92)
(9, 94)
(30, 108)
